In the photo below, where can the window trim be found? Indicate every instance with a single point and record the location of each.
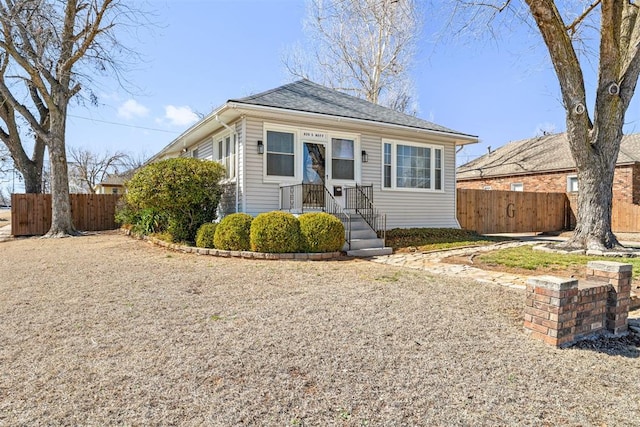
(219, 156)
(517, 184)
(569, 179)
(394, 166)
(297, 169)
(357, 157)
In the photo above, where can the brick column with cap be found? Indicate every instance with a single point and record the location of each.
(618, 276)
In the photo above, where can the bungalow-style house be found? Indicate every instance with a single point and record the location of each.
(112, 184)
(544, 164)
(303, 146)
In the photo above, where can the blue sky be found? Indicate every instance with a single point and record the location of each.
(202, 53)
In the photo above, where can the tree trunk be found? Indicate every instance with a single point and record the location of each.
(61, 222)
(596, 160)
(32, 178)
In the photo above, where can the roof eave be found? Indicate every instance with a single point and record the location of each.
(460, 138)
(175, 144)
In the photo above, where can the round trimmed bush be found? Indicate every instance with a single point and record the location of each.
(205, 234)
(321, 232)
(232, 234)
(275, 232)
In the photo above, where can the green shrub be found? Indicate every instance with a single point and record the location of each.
(275, 232)
(232, 234)
(186, 191)
(204, 236)
(321, 232)
(150, 221)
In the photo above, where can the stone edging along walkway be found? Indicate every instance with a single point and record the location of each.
(303, 256)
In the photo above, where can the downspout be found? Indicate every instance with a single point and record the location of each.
(235, 143)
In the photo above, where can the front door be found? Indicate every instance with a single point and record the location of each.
(314, 174)
(314, 163)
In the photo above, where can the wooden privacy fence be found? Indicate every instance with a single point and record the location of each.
(490, 211)
(625, 217)
(31, 213)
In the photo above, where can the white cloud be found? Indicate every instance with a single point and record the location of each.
(179, 116)
(131, 108)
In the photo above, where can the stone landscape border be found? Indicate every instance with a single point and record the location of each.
(301, 256)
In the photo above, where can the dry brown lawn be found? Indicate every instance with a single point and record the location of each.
(108, 330)
(5, 217)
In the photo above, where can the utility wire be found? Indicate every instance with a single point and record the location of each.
(123, 124)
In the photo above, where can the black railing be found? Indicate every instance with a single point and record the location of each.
(360, 200)
(301, 198)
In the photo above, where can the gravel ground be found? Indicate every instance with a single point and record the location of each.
(108, 330)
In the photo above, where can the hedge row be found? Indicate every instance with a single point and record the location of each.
(274, 232)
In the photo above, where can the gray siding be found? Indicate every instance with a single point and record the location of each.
(260, 196)
(406, 209)
(227, 204)
(205, 150)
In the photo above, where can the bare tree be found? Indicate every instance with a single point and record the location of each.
(594, 135)
(362, 47)
(45, 47)
(11, 135)
(86, 168)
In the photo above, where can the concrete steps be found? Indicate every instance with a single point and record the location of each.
(364, 241)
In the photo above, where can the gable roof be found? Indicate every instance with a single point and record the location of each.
(542, 154)
(307, 96)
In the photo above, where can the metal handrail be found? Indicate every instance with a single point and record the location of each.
(360, 199)
(333, 207)
(301, 197)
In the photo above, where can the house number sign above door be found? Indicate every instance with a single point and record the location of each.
(309, 135)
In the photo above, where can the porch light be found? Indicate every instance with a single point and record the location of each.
(365, 157)
(260, 147)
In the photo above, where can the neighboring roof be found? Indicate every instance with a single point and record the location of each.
(307, 96)
(542, 154)
(113, 180)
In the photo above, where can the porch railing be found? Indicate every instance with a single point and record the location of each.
(360, 200)
(301, 198)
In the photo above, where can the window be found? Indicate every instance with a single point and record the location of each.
(387, 165)
(342, 160)
(226, 154)
(572, 184)
(280, 154)
(412, 166)
(486, 187)
(517, 186)
(114, 191)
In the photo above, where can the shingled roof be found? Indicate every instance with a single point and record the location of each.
(307, 96)
(542, 154)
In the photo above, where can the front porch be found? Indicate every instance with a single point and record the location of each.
(365, 226)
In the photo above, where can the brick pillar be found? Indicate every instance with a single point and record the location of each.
(618, 277)
(550, 311)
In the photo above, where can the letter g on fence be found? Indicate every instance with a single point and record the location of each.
(511, 210)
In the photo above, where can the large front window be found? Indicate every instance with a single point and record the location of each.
(412, 166)
(280, 154)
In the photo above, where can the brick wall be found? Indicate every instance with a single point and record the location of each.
(562, 311)
(626, 183)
